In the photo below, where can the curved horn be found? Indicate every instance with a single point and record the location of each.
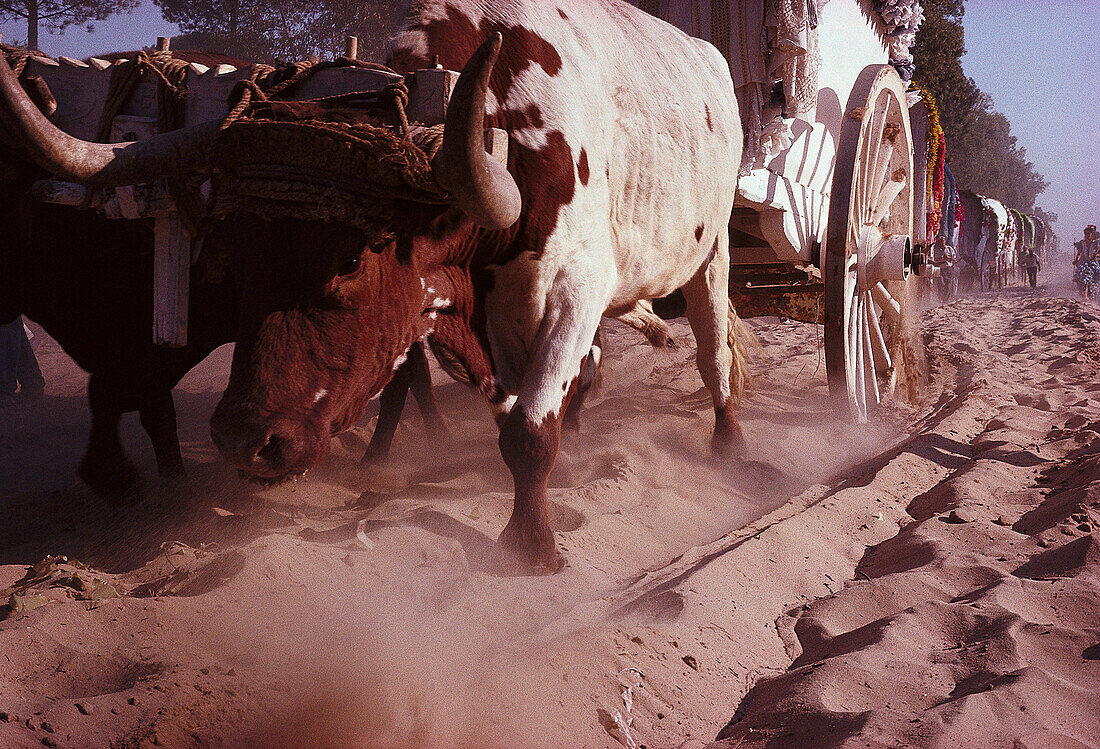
(480, 185)
(97, 163)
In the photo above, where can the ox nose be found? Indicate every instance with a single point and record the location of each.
(263, 448)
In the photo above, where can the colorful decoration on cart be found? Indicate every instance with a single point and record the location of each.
(936, 155)
(950, 215)
(1008, 237)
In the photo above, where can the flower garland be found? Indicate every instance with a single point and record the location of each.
(1008, 237)
(936, 156)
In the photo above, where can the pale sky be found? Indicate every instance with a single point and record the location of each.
(1037, 59)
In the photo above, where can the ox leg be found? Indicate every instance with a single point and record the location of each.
(158, 417)
(390, 405)
(421, 385)
(105, 467)
(707, 300)
(529, 448)
(531, 432)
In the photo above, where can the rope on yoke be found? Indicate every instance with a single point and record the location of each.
(356, 173)
(171, 91)
(267, 83)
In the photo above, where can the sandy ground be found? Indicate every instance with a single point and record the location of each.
(932, 580)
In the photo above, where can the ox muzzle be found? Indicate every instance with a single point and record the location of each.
(272, 448)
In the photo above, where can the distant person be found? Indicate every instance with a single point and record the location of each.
(946, 258)
(18, 365)
(1032, 265)
(1086, 262)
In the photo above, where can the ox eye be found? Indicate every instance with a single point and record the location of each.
(348, 266)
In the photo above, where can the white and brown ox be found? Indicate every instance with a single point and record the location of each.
(624, 147)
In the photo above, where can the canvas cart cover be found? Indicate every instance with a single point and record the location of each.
(763, 42)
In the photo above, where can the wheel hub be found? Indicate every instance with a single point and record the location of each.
(882, 257)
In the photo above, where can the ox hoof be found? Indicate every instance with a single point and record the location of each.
(117, 481)
(527, 551)
(374, 458)
(728, 440)
(728, 443)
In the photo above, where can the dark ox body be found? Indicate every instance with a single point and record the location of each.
(624, 148)
(87, 281)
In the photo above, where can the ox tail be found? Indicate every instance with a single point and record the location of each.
(742, 343)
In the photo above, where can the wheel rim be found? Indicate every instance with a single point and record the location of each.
(867, 250)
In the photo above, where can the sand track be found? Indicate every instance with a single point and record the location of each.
(931, 580)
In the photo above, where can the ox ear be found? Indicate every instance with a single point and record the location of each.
(479, 184)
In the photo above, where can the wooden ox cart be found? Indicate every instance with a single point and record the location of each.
(823, 229)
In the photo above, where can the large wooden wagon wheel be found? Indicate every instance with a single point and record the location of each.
(868, 254)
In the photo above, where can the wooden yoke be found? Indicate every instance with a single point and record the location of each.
(173, 252)
(82, 88)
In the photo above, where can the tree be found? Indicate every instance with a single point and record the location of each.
(372, 21)
(263, 30)
(58, 15)
(257, 30)
(981, 150)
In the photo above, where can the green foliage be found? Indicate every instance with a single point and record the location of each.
(981, 150)
(58, 15)
(265, 30)
(372, 21)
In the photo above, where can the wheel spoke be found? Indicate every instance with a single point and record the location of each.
(885, 301)
(878, 343)
(856, 345)
(870, 378)
(878, 182)
(874, 145)
(885, 199)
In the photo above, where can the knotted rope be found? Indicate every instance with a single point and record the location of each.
(267, 84)
(171, 91)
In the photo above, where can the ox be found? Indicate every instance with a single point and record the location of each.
(86, 280)
(625, 145)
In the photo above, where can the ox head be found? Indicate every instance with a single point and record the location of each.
(327, 311)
